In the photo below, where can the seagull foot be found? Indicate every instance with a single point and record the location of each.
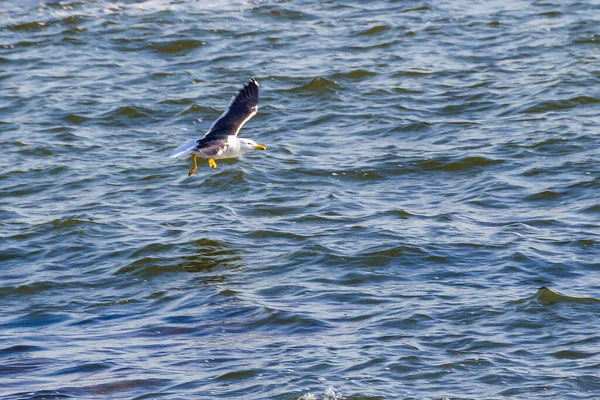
(195, 167)
(212, 163)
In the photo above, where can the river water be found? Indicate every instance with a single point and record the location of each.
(423, 225)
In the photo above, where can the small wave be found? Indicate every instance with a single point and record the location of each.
(375, 30)
(28, 26)
(176, 102)
(593, 208)
(210, 254)
(27, 43)
(75, 119)
(544, 195)
(559, 105)
(547, 297)
(443, 164)
(383, 45)
(317, 85)
(121, 116)
(19, 349)
(176, 46)
(129, 112)
(354, 74)
(573, 355)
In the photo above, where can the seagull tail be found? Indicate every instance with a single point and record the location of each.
(184, 149)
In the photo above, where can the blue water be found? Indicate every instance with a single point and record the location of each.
(423, 225)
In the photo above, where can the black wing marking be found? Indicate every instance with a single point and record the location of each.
(243, 106)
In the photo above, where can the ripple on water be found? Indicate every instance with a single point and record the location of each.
(316, 85)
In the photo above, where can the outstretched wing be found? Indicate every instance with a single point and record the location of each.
(243, 106)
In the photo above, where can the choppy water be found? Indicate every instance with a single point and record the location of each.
(423, 225)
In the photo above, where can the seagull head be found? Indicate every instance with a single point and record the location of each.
(248, 144)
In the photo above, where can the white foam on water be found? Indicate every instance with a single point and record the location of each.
(330, 393)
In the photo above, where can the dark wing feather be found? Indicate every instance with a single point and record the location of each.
(211, 147)
(243, 106)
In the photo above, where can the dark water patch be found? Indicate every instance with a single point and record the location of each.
(70, 223)
(148, 267)
(291, 322)
(182, 101)
(37, 150)
(28, 26)
(284, 13)
(227, 59)
(26, 43)
(586, 184)
(551, 14)
(121, 386)
(384, 255)
(553, 145)
(176, 46)
(592, 209)
(544, 195)
(125, 115)
(593, 40)
(547, 297)
(317, 85)
(19, 349)
(448, 164)
(38, 319)
(47, 24)
(125, 44)
(238, 375)
(276, 234)
(353, 75)
(411, 126)
(15, 367)
(73, 20)
(209, 255)
(573, 355)
(82, 368)
(375, 30)
(559, 105)
(413, 9)
(399, 213)
(34, 288)
(74, 31)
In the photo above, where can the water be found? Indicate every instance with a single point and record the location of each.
(423, 225)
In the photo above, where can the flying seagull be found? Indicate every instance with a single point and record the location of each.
(221, 140)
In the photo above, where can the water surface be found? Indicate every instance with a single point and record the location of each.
(423, 225)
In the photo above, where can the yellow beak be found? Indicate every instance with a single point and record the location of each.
(260, 147)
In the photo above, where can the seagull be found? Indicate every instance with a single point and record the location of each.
(221, 140)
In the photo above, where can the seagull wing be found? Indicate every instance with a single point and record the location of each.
(184, 148)
(243, 106)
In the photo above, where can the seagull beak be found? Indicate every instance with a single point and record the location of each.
(260, 147)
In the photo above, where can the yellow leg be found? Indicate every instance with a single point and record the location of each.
(212, 163)
(195, 167)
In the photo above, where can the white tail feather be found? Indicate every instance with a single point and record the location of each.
(184, 148)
